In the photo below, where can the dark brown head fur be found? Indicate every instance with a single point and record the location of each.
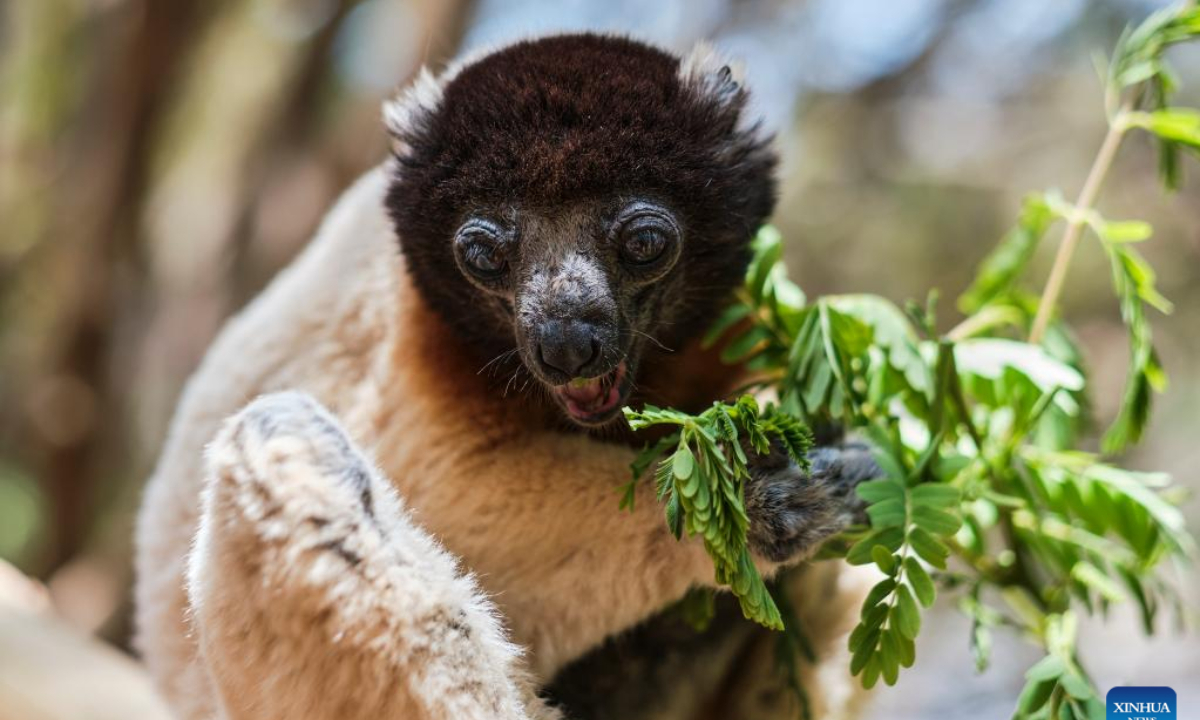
(546, 145)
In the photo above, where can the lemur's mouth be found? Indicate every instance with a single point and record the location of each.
(595, 401)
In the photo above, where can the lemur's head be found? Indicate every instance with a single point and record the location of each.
(581, 200)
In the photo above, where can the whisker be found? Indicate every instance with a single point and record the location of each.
(652, 339)
(498, 359)
(512, 378)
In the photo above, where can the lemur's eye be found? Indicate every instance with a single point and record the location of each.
(644, 245)
(481, 250)
(648, 238)
(485, 259)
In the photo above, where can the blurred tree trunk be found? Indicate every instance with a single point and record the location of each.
(93, 183)
(141, 142)
(240, 159)
(130, 78)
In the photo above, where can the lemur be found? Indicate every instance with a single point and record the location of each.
(389, 491)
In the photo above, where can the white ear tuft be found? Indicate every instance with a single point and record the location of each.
(421, 97)
(711, 72)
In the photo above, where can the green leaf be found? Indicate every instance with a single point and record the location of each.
(866, 650)
(1134, 283)
(1034, 696)
(1139, 72)
(936, 496)
(860, 553)
(1095, 579)
(1170, 172)
(1076, 686)
(981, 645)
(689, 487)
(1024, 605)
(788, 295)
(888, 513)
(849, 334)
(1128, 231)
(642, 462)
(908, 651)
(1134, 414)
(871, 673)
(818, 385)
(795, 436)
(875, 491)
(1138, 56)
(683, 463)
(877, 594)
(1048, 668)
(726, 320)
(1137, 487)
(664, 480)
(745, 345)
(674, 516)
(768, 247)
(1138, 278)
(872, 618)
(1181, 125)
(1000, 271)
(905, 614)
(920, 581)
(889, 657)
(990, 357)
(929, 548)
(892, 468)
(936, 521)
(628, 496)
(884, 559)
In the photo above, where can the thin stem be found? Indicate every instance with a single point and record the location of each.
(1077, 221)
(986, 319)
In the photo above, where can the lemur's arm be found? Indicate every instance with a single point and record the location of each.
(314, 595)
(541, 526)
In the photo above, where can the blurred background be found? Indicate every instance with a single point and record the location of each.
(161, 159)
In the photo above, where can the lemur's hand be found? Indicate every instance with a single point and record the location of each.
(792, 512)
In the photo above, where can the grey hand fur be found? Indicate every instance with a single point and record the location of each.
(792, 511)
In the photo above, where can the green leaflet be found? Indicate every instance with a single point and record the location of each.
(1004, 267)
(1133, 281)
(701, 475)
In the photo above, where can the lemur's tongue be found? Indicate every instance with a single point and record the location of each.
(591, 396)
(584, 390)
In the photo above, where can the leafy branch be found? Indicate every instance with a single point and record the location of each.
(984, 490)
(702, 483)
(1139, 85)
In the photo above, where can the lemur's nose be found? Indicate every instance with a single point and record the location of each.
(568, 346)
